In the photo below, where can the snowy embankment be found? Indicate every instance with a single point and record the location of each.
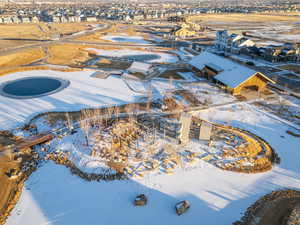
(160, 57)
(53, 196)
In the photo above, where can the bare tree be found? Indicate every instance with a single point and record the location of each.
(69, 121)
(85, 125)
(149, 100)
(117, 112)
(109, 114)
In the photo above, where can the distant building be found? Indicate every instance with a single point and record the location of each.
(91, 19)
(56, 19)
(183, 32)
(232, 43)
(283, 53)
(35, 19)
(15, 19)
(176, 19)
(26, 20)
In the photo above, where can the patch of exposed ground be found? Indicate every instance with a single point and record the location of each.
(15, 167)
(276, 208)
(20, 58)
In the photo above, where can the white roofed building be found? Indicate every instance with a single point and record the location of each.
(231, 42)
(141, 67)
(233, 76)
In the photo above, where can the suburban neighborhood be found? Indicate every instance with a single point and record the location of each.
(159, 112)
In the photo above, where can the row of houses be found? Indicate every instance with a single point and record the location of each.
(274, 53)
(55, 19)
(239, 44)
(16, 19)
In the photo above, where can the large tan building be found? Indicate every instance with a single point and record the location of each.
(234, 77)
(183, 33)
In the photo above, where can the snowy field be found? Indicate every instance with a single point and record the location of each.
(278, 31)
(126, 39)
(53, 196)
(84, 91)
(154, 57)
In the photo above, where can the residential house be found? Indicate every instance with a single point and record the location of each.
(35, 19)
(25, 19)
(91, 19)
(283, 53)
(233, 43)
(56, 19)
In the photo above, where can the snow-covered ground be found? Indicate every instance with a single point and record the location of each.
(84, 91)
(158, 57)
(53, 196)
(277, 31)
(126, 39)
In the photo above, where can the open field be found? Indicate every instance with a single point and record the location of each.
(260, 27)
(67, 54)
(40, 31)
(16, 35)
(9, 44)
(252, 17)
(20, 58)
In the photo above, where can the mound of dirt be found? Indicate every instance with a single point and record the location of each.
(277, 208)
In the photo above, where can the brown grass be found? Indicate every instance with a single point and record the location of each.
(39, 31)
(21, 58)
(8, 44)
(67, 54)
(11, 188)
(253, 17)
(73, 54)
(27, 68)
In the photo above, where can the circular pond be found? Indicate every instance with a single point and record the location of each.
(32, 87)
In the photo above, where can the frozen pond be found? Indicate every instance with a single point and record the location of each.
(32, 87)
(126, 39)
(136, 55)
